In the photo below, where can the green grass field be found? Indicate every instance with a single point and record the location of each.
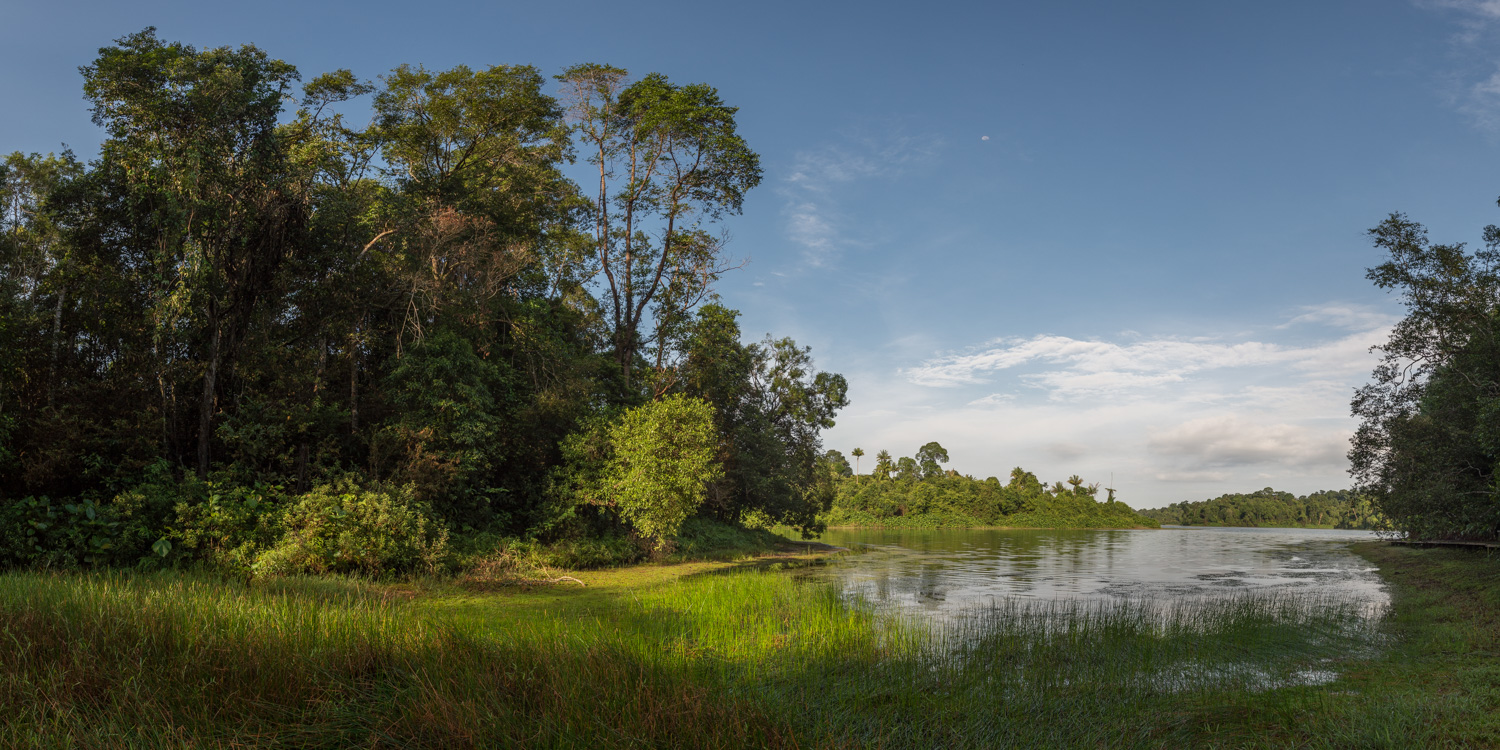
(745, 654)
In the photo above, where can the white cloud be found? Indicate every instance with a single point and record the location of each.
(1342, 315)
(1069, 368)
(820, 182)
(1482, 102)
(1232, 440)
(1480, 8)
(1478, 97)
(1192, 476)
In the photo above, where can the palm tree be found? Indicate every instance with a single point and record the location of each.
(856, 453)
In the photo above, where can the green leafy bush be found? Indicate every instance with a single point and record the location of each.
(229, 528)
(663, 460)
(37, 531)
(344, 528)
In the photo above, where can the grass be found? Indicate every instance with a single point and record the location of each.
(733, 655)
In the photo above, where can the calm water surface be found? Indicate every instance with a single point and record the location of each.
(947, 571)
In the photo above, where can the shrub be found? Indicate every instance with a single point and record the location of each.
(230, 527)
(664, 456)
(36, 531)
(343, 528)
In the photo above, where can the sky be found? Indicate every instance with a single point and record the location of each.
(1123, 240)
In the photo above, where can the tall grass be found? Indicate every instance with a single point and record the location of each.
(747, 660)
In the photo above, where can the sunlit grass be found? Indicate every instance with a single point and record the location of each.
(751, 659)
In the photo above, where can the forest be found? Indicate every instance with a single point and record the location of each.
(343, 326)
(1329, 509)
(917, 492)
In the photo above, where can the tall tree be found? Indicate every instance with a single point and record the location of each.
(670, 162)
(929, 457)
(857, 453)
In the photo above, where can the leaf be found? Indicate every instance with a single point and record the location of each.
(162, 547)
(88, 510)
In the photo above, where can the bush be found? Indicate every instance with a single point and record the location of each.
(343, 528)
(230, 527)
(664, 457)
(35, 531)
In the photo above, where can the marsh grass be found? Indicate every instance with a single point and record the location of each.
(755, 659)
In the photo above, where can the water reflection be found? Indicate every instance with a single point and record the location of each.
(945, 572)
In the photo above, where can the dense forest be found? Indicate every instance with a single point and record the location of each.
(256, 333)
(1428, 446)
(1335, 509)
(917, 491)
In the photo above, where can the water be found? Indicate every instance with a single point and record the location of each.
(946, 572)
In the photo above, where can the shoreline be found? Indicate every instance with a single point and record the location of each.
(912, 527)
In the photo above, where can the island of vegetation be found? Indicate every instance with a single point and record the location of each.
(1330, 509)
(916, 492)
(320, 435)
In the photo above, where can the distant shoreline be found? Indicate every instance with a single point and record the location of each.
(847, 527)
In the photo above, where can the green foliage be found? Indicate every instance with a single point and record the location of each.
(929, 457)
(1426, 452)
(1338, 509)
(345, 528)
(663, 458)
(236, 303)
(228, 525)
(913, 499)
(36, 531)
(444, 438)
(770, 408)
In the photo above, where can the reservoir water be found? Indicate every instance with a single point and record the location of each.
(942, 572)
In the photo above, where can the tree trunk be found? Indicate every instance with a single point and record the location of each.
(354, 383)
(62, 292)
(210, 397)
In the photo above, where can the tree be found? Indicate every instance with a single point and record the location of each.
(770, 408)
(907, 469)
(476, 154)
(663, 459)
(883, 465)
(670, 161)
(836, 463)
(196, 135)
(1428, 446)
(928, 457)
(857, 453)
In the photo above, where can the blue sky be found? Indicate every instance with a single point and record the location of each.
(1107, 238)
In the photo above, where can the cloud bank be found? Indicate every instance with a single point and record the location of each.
(1174, 418)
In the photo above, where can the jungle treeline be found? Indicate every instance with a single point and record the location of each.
(343, 325)
(1330, 509)
(918, 492)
